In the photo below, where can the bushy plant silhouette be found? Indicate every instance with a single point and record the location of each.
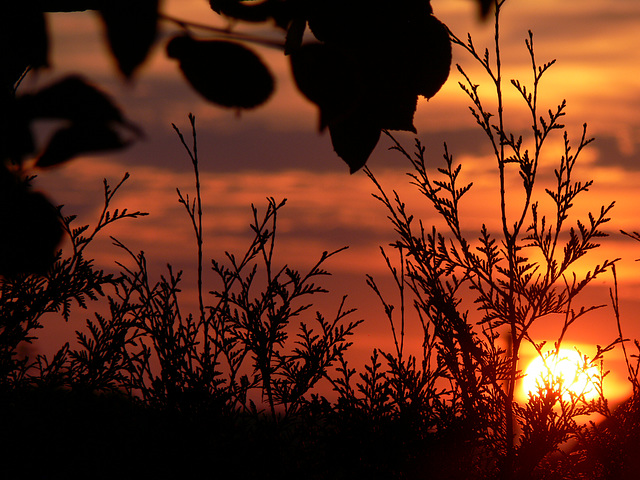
(248, 351)
(501, 273)
(147, 390)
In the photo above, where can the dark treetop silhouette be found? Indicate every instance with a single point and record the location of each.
(364, 65)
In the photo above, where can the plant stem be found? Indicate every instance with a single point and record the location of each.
(510, 241)
(204, 322)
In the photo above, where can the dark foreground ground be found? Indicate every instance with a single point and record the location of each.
(49, 434)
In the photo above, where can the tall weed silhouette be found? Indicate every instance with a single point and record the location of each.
(516, 276)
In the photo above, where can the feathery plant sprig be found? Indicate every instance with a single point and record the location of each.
(511, 289)
(253, 348)
(194, 210)
(26, 299)
(238, 344)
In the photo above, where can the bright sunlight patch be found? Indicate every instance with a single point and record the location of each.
(565, 370)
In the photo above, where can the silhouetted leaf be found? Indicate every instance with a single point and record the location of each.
(66, 143)
(295, 34)
(337, 21)
(16, 141)
(71, 99)
(253, 11)
(373, 64)
(359, 22)
(394, 110)
(225, 73)
(354, 139)
(30, 229)
(414, 55)
(69, 5)
(486, 6)
(23, 41)
(354, 98)
(91, 115)
(327, 77)
(131, 30)
(430, 62)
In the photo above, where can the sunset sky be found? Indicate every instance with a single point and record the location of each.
(275, 150)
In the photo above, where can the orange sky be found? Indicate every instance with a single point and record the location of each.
(276, 151)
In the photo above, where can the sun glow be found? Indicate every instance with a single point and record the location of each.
(566, 371)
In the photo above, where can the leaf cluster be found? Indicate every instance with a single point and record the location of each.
(364, 69)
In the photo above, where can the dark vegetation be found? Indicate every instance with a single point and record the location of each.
(147, 390)
(362, 63)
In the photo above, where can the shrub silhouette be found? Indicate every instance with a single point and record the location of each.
(148, 390)
(378, 91)
(499, 271)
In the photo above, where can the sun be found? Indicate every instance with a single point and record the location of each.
(566, 369)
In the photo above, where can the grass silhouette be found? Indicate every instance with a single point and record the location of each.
(148, 391)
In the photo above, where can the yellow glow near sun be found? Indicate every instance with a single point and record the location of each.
(566, 370)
